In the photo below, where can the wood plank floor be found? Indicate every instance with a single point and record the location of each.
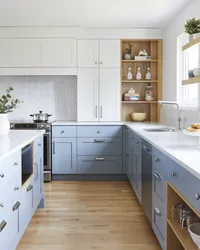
(88, 215)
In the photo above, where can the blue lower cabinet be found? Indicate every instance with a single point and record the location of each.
(159, 184)
(64, 155)
(99, 164)
(99, 131)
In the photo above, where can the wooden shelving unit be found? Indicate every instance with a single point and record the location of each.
(177, 238)
(154, 49)
(191, 80)
(190, 44)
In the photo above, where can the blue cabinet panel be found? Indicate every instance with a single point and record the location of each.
(99, 131)
(64, 131)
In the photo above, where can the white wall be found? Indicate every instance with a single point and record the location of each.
(171, 32)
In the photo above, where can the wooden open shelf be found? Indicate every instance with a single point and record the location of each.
(191, 80)
(190, 44)
(154, 49)
(177, 238)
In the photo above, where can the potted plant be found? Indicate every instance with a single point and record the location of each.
(128, 52)
(192, 27)
(7, 104)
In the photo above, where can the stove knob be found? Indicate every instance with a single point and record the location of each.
(12, 126)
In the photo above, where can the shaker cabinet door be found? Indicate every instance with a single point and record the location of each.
(109, 53)
(87, 94)
(88, 53)
(63, 155)
(109, 95)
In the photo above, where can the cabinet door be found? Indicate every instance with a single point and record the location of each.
(109, 53)
(138, 174)
(59, 52)
(63, 155)
(37, 180)
(109, 94)
(88, 94)
(20, 52)
(88, 53)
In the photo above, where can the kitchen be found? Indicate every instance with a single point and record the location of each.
(86, 174)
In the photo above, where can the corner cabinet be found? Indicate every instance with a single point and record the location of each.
(98, 80)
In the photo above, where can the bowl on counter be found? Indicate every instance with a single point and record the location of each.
(196, 72)
(194, 231)
(139, 117)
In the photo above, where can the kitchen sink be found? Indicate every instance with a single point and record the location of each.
(159, 129)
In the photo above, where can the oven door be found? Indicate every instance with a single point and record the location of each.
(47, 156)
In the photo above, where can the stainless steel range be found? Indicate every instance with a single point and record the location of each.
(23, 125)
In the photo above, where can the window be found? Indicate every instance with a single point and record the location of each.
(188, 95)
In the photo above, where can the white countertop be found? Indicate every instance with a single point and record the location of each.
(179, 147)
(16, 140)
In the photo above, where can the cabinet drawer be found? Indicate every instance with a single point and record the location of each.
(63, 131)
(9, 227)
(10, 193)
(159, 219)
(100, 165)
(8, 168)
(99, 131)
(100, 146)
(159, 184)
(38, 145)
(160, 161)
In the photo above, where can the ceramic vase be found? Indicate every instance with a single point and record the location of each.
(4, 124)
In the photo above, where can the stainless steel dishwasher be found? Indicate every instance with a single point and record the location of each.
(147, 179)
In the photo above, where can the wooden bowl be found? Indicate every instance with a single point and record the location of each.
(139, 117)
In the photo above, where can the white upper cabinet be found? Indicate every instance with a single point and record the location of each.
(109, 53)
(87, 94)
(20, 52)
(109, 94)
(59, 52)
(88, 53)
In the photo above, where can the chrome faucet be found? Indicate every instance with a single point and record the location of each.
(178, 108)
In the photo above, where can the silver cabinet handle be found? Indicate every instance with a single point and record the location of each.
(101, 62)
(98, 132)
(16, 188)
(157, 176)
(146, 149)
(101, 108)
(198, 196)
(2, 225)
(36, 177)
(96, 111)
(173, 174)
(39, 144)
(54, 147)
(62, 132)
(16, 206)
(156, 159)
(29, 188)
(99, 140)
(2, 175)
(157, 211)
(95, 62)
(16, 163)
(1, 204)
(99, 159)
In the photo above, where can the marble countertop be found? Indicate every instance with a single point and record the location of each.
(16, 140)
(179, 147)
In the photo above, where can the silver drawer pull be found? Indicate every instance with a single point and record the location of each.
(39, 144)
(98, 140)
(198, 196)
(16, 206)
(156, 159)
(2, 175)
(98, 132)
(2, 225)
(157, 211)
(16, 164)
(99, 159)
(1, 204)
(29, 188)
(16, 188)
(173, 174)
(157, 176)
(62, 132)
(137, 142)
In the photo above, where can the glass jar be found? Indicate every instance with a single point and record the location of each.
(148, 74)
(138, 74)
(149, 93)
(129, 74)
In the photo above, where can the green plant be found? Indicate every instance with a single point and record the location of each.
(129, 49)
(7, 103)
(192, 26)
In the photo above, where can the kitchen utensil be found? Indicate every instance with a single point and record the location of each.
(138, 117)
(40, 117)
(194, 231)
(196, 72)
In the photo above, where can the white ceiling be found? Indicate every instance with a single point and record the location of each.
(89, 13)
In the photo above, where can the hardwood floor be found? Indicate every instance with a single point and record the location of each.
(86, 215)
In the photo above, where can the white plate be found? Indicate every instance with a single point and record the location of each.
(191, 133)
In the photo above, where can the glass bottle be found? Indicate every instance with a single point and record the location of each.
(129, 74)
(148, 74)
(138, 75)
(149, 93)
